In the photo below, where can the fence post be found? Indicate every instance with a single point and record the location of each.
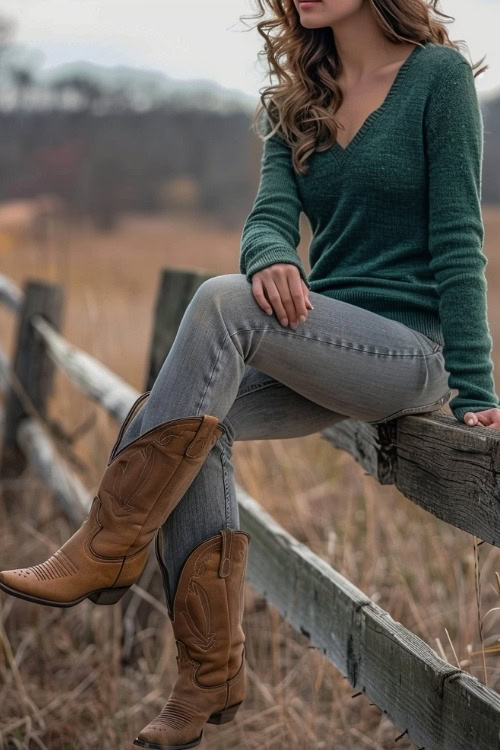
(31, 366)
(177, 288)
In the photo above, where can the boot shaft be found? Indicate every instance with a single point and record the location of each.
(208, 606)
(206, 619)
(145, 480)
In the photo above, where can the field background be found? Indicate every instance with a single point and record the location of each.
(64, 680)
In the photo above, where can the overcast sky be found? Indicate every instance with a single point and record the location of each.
(197, 38)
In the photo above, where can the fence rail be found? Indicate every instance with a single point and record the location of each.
(435, 461)
(441, 464)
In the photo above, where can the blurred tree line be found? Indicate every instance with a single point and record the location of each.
(111, 149)
(152, 161)
(106, 151)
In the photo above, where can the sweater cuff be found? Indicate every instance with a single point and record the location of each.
(275, 255)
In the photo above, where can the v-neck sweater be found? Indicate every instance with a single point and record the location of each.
(395, 216)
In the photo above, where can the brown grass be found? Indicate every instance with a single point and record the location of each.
(66, 683)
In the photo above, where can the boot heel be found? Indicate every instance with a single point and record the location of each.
(222, 717)
(108, 596)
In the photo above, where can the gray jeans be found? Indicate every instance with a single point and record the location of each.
(264, 381)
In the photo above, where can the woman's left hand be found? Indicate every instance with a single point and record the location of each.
(486, 418)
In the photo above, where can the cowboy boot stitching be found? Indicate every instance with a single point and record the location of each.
(206, 637)
(120, 471)
(141, 482)
(144, 474)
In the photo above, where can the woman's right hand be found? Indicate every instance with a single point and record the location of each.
(280, 286)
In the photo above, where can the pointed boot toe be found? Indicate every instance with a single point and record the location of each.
(206, 619)
(172, 729)
(73, 573)
(34, 583)
(18, 581)
(141, 485)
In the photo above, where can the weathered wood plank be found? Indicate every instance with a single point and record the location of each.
(441, 707)
(31, 367)
(177, 288)
(448, 468)
(70, 494)
(10, 294)
(453, 471)
(372, 446)
(4, 372)
(94, 378)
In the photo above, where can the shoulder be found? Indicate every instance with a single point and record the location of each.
(442, 62)
(451, 97)
(447, 84)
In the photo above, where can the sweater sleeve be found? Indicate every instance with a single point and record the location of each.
(271, 231)
(454, 137)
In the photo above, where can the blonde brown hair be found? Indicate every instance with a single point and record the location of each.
(302, 103)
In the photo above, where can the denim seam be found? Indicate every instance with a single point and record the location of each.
(424, 409)
(228, 335)
(322, 341)
(257, 387)
(212, 374)
(294, 333)
(226, 486)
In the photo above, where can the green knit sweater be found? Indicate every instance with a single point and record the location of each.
(395, 217)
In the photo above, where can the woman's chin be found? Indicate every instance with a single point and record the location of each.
(309, 23)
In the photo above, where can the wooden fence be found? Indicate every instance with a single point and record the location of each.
(437, 462)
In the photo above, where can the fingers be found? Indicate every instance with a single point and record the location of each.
(258, 293)
(274, 295)
(486, 418)
(476, 418)
(297, 294)
(280, 288)
(292, 296)
(470, 418)
(306, 295)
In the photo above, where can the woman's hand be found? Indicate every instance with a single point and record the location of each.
(486, 418)
(280, 286)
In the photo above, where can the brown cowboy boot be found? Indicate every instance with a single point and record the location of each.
(206, 620)
(141, 485)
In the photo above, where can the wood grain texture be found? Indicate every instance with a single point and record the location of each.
(448, 468)
(441, 707)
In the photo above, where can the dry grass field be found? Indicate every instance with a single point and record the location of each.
(65, 682)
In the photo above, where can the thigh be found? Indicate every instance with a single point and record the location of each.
(344, 358)
(266, 409)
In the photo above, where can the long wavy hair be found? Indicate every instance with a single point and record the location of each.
(301, 105)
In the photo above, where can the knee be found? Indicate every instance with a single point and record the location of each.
(225, 285)
(229, 436)
(225, 292)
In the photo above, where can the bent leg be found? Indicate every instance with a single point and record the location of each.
(343, 361)
(264, 409)
(342, 357)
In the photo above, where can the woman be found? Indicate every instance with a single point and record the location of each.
(391, 316)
